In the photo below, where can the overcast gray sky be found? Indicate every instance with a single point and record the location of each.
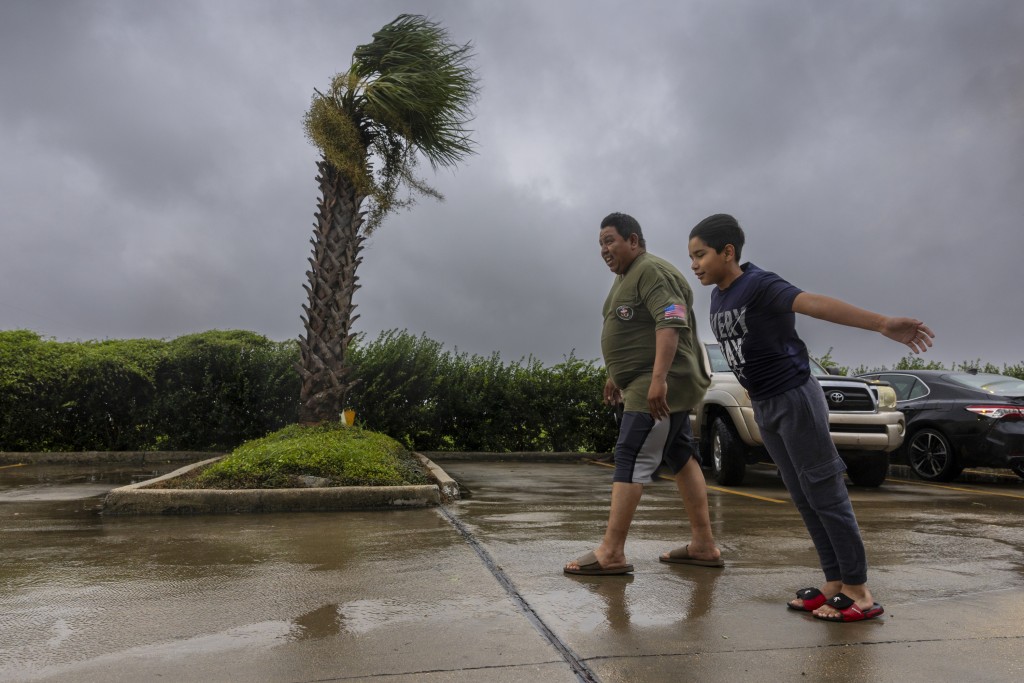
(156, 181)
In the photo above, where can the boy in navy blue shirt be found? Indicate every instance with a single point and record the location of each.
(753, 318)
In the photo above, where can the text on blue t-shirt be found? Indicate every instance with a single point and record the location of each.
(754, 323)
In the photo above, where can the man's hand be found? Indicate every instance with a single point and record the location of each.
(666, 341)
(657, 399)
(612, 394)
(914, 333)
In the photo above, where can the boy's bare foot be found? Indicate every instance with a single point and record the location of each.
(828, 589)
(860, 595)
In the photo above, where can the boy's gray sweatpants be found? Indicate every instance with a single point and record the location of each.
(794, 426)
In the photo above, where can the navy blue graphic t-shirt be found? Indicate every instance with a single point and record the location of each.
(754, 322)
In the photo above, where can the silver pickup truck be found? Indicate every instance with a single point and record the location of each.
(863, 419)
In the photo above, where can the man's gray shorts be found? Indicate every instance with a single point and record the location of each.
(645, 444)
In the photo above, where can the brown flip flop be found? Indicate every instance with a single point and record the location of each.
(682, 556)
(589, 566)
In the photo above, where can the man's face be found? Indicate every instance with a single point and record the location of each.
(618, 253)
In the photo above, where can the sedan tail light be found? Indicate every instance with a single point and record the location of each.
(999, 412)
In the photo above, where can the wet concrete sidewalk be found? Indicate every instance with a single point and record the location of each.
(474, 591)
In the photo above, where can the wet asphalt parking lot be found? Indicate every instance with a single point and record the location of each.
(474, 591)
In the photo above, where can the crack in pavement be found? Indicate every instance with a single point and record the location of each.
(578, 666)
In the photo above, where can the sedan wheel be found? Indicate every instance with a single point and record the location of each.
(931, 457)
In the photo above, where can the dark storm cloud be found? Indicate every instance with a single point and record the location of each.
(157, 182)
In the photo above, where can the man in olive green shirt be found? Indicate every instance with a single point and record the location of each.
(655, 368)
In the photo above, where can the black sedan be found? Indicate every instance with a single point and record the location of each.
(958, 419)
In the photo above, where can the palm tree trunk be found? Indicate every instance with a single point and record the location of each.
(331, 282)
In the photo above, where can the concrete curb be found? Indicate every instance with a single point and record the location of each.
(140, 499)
(519, 456)
(448, 488)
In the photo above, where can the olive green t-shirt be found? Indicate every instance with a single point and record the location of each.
(650, 296)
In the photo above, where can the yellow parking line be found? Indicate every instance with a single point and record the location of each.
(997, 475)
(713, 488)
(746, 495)
(957, 488)
(4, 467)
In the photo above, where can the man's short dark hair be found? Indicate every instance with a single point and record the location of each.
(719, 230)
(625, 225)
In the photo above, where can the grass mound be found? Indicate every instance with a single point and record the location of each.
(344, 456)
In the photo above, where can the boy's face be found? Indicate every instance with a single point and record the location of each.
(710, 266)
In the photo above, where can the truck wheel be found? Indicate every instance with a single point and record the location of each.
(931, 458)
(869, 469)
(727, 461)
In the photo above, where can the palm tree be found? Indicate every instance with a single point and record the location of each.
(407, 93)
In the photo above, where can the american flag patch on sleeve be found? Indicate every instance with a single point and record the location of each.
(675, 311)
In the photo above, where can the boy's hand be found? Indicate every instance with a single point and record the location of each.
(612, 394)
(909, 331)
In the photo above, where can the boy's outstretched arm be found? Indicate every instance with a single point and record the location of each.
(914, 333)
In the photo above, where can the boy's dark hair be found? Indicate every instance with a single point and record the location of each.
(719, 230)
(625, 225)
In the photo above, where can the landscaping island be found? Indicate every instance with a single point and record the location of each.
(298, 468)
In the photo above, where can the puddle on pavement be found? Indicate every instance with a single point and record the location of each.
(36, 483)
(320, 623)
(361, 617)
(250, 636)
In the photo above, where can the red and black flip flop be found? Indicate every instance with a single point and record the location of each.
(848, 610)
(812, 597)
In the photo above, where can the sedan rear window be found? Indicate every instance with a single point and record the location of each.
(907, 387)
(999, 385)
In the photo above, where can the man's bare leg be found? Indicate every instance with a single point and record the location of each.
(612, 551)
(694, 491)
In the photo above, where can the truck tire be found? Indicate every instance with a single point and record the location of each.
(868, 470)
(728, 463)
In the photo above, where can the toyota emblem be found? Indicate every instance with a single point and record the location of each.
(836, 397)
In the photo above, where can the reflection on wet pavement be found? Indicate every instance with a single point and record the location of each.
(260, 597)
(78, 589)
(72, 482)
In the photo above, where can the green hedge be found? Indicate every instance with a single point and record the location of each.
(207, 391)
(217, 389)
(214, 390)
(430, 399)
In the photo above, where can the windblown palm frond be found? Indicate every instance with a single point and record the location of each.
(419, 84)
(408, 92)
